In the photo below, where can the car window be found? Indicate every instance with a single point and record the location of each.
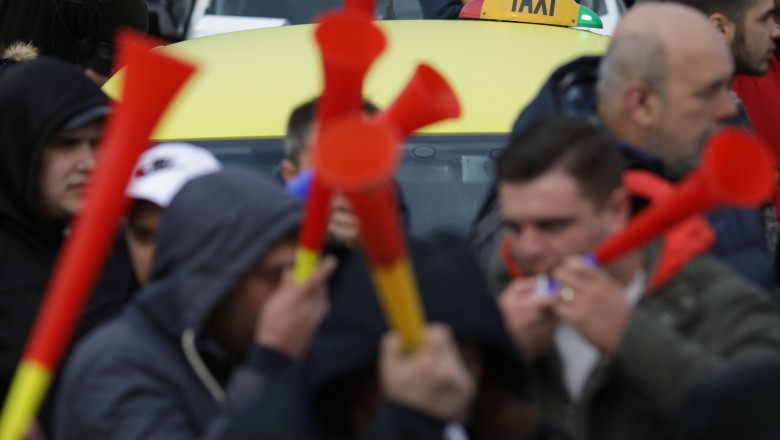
(444, 179)
(297, 12)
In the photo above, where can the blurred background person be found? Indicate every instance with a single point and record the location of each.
(16, 53)
(218, 319)
(160, 173)
(59, 27)
(52, 120)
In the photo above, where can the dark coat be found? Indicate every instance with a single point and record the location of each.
(703, 320)
(36, 98)
(58, 27)
(736, 402)
(156, 372)
(317, 401)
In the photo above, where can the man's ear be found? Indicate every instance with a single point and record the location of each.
(723, 25)
(618, 208)
(642, 104)
(287, 169)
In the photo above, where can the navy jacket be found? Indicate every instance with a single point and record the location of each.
(156, 372)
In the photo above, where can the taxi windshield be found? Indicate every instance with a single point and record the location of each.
(297, 12)
(597, 6)
(444, 178)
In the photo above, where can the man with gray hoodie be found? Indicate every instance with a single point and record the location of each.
(220, 317)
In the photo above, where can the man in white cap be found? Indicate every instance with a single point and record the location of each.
(158, 176)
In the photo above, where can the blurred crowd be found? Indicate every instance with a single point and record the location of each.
(197, 329)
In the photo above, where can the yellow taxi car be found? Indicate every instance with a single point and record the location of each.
(248, 82)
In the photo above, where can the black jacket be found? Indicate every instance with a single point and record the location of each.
(739, 401)
(156, 372)
(37, 97)
(317, 400)
(571, 91)
(58, 27)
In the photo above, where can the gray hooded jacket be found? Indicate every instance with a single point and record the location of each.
(155, 372)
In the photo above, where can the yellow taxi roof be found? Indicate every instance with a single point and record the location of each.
(248, 82)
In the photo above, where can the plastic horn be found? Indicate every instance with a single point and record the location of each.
(428, 98)
(736, 170)
(313, 230)
(360, 6)
(151, 81)
(695, 232)
(358, 158)
(349, 44)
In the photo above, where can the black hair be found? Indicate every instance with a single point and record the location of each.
(573, 145)
(734, 10)
(299, 127)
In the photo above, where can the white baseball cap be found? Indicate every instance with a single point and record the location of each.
(163, 170)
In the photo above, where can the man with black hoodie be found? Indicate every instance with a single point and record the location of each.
(50, 121)
(220, 317)
(59, 27)
(646, 95)
(358, 384)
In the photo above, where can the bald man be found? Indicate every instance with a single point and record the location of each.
(749, 29)
(663, 85)
(660, 90)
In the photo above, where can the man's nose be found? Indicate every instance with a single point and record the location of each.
(725, 107)
(774, 34)
(529, 245)
(87, 156)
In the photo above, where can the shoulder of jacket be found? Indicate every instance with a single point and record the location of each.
(706, 283)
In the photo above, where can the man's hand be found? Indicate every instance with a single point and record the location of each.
(595, 303)
(343, 223)
(34, 432)
(294, 311)
(97, 78)
(530, 320)
(432, 380)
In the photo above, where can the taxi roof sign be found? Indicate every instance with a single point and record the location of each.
(554, 12)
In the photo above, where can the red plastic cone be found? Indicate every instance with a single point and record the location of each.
(736, 170)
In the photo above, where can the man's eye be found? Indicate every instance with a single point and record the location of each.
(554, 226)
(272, 275)
(63, 143)
(144, 236)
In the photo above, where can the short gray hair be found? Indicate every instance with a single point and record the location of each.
(630, 57)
